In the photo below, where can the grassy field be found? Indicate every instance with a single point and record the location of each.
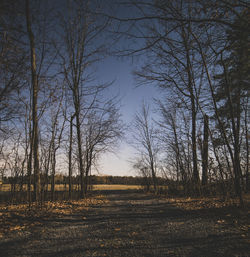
(116, 187)
(61, 187)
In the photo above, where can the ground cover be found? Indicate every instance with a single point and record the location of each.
(20, 217)
(131, 223)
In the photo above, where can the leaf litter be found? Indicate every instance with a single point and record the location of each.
(18, 217)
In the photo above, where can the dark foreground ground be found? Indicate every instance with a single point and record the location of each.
(133, 224)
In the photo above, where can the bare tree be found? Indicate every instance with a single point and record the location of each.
(165, 32)
(145, 141)
(81, 33)
(177, 37)
(172, 140)
(38, 19)
(103, 129)
(143, 170)
(34, 140)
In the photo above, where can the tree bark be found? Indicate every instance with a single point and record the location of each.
(247, 150)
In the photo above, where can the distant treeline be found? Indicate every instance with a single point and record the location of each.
(93, 180)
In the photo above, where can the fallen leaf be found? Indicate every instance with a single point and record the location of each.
(220, 221)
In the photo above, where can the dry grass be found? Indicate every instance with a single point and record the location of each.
(116, 187)
(62, 187)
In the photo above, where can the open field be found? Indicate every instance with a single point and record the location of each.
(61, 187)
(126, 223)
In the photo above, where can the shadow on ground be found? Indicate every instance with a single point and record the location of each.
(132, 224)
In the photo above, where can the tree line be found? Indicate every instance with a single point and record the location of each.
(61, 179)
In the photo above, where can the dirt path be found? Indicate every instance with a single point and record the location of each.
(131, 224)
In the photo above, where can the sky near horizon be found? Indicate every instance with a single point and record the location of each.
(132, 96)
(118, 163)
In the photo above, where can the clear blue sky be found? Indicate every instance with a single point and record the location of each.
(132, 97)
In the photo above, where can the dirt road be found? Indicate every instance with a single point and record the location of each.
(131, 224)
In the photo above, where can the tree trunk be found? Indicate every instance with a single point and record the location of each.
(236, 137)
(236, 164)
(70, 155)
(29, 166)
(178, 155)
(153, 175)
(53, 167)
(205, 152)
(196, 178)
(79, 142)
(223, 187)
(247, 149)
(47, 166)
(88, 167)
(34, 104)
(191, 86)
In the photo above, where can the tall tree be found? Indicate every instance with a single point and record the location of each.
(182, 40)
(34, 80)
(83, 45)
(172, 62)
